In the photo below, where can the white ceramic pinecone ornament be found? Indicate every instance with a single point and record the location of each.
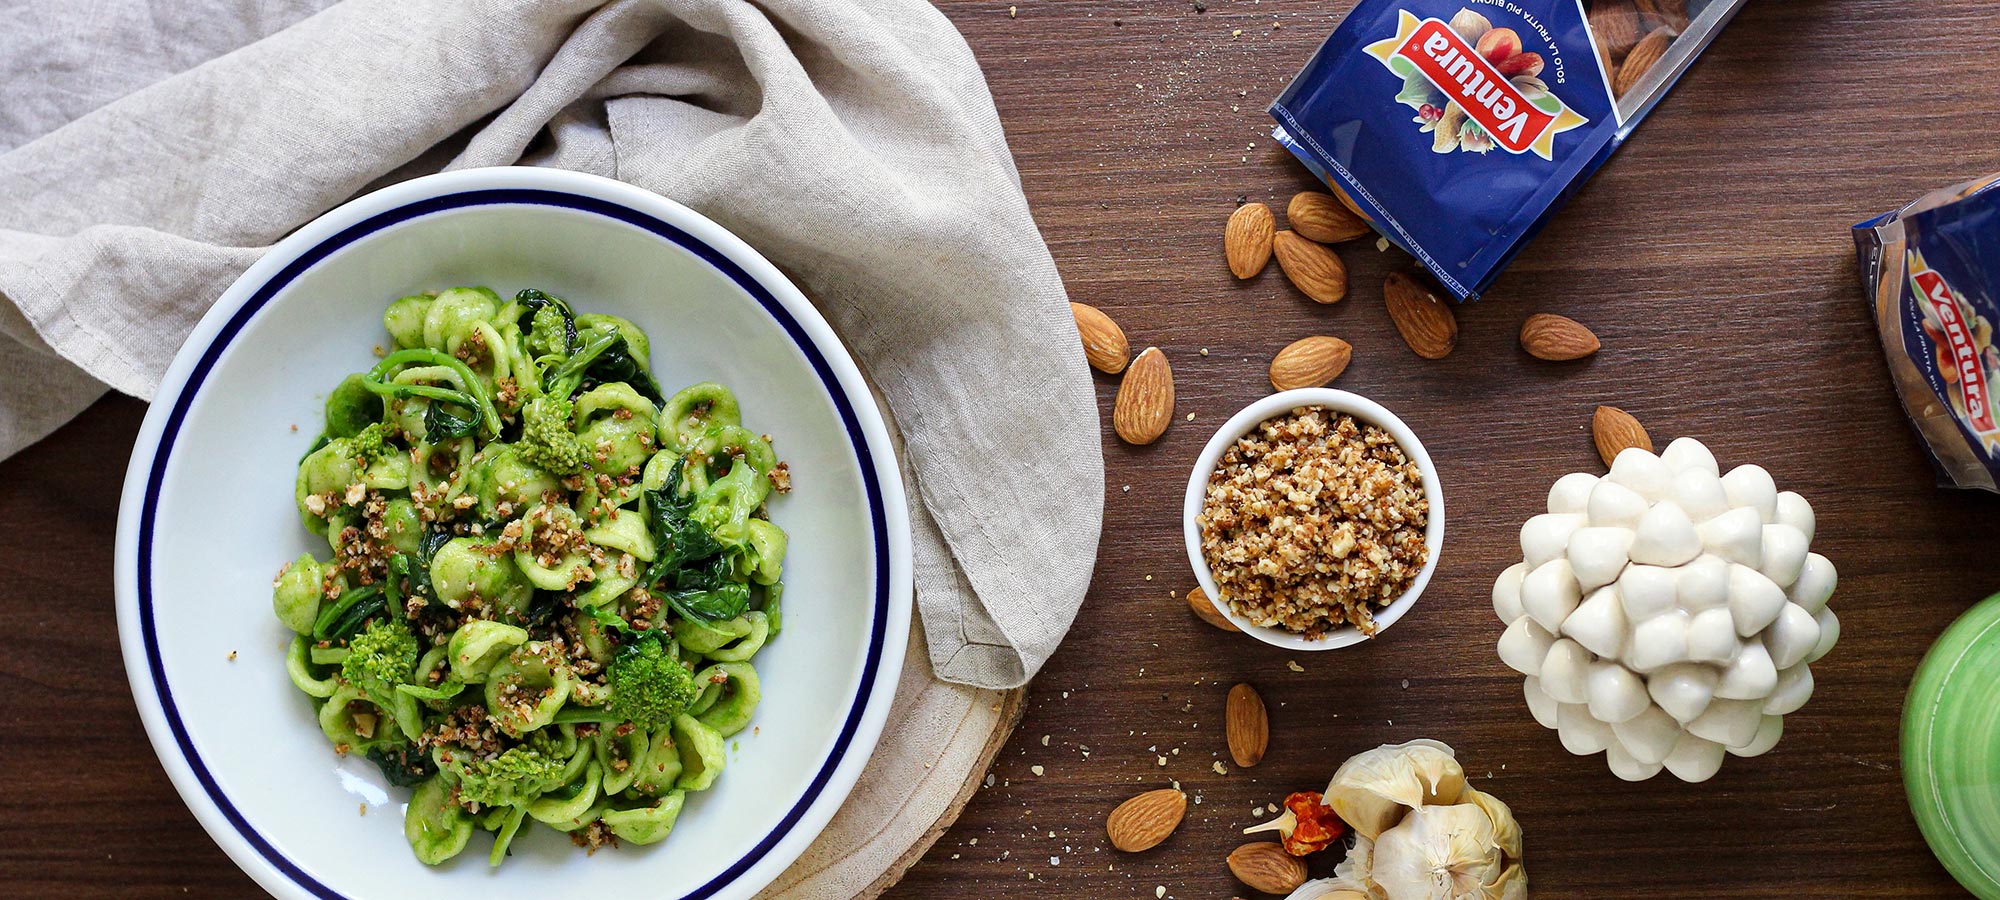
(1666, 613)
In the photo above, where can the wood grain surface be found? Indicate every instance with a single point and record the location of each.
(1712, 257)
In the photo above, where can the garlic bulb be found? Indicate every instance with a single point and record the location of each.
(1421, 833)
(1667, 612)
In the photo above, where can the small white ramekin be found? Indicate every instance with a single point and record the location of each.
(1361, 408)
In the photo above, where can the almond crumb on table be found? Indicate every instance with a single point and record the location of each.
(1313, 521)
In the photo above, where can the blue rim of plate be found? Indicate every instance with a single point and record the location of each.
(491, 197)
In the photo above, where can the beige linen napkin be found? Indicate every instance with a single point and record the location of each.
(149, 157)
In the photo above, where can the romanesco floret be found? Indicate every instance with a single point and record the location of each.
(649, 687)
(516, 776)
(379, 658)
(546, 439)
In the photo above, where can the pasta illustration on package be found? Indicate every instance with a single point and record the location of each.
(1929, 272)
(1554, 87)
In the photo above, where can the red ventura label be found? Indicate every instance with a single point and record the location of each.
(1958, 343)
(1467, 78)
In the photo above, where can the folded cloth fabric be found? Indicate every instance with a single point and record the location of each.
(151, 157)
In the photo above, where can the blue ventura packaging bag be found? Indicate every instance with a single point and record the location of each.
(1457, 127)
(1931, 271)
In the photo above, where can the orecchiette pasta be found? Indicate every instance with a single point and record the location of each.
(547, 579)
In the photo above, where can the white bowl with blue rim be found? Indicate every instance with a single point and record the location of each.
(1367, 412)
(207, 517)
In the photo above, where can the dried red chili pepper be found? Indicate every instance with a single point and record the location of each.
(1307, 825)
(1314, 824)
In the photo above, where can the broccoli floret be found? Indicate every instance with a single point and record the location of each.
(546, 439)
(379, 658)
(515, 777)
(649, 687)
(550, 332)
(371, 443)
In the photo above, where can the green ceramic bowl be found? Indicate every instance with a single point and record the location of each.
(1951, 748)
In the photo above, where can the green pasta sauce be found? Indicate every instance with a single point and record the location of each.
(547, 580)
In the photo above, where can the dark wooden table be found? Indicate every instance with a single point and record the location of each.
(1712, 257)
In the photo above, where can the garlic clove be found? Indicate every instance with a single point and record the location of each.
(1736, 536)
(1829, 632)
(1750, 677)
(1540, 704)
(1507, 593)
(1581, 734)
(1644, 473)
(1550, 593)
(1815, 583)
(1731, 723)
(1571, 493)
(1614, 693)
(1753, 599)
(1712, 637)
(1685, 454)
(1694, 760)
(1699, 493)
(1598, 554)
(1546, 536)
(1648, 736)
(1665, 536)
(1627, 767)
(1793, 510)
(1612, 503)
(1768, 732)
(1659, 641)
(1750, 486)
(1795, 687)
(1683, 690)
(1646, 591)
(1792, 637)
(1599, 624)
(1566, 672)
(1524, 645)
(1784, 554)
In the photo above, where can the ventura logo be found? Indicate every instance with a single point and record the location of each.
(1519, 121)
(1958, 344)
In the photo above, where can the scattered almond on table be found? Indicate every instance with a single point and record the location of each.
(1204, 609)
(1614, 430)
(1310, 362)
(1265, 866)
(1104, 344)
(1247, 240)
(1557, 338)
(1145, 404)
(1312, 268)
(1423, 318)
(1324, 218)
(1246, 726)
(1142, 822)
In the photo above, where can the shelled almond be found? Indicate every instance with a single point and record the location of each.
(1613, 430)
(1104, 344)
(1321, 217)
(1423, 318)
(1145, 404)
(1559, 338)
(1204, 609)
(1265, 866)
(1144, 821)
(1246, 726)
(1310, 362)
(1312, 268)
(1247, 240)
(1643, 57)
